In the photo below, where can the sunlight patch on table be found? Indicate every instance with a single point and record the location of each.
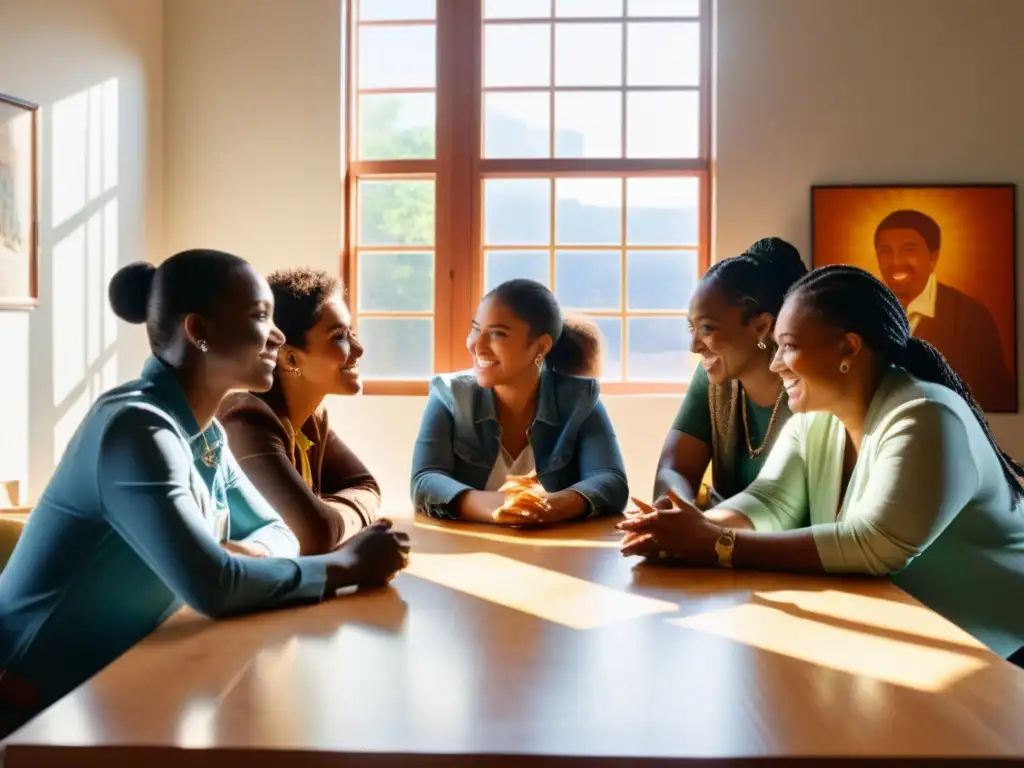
(909, 618)
(555, 597)
(830, 629)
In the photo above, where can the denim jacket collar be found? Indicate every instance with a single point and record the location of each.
(547, 405)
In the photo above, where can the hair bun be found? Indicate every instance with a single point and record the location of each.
(779, 253)
(129, 291)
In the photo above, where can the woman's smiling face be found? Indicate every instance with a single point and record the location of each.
(809, 358)
(501, 346)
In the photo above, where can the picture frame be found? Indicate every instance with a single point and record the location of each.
(949, 253)
(19, 203)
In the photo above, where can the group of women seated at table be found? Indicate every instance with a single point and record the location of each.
(836, 441)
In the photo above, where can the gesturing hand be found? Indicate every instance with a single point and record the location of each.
(680, 534)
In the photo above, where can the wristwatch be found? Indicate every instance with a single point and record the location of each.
(724, 547)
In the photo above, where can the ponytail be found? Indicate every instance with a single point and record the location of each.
(578, 351)
(851, 299)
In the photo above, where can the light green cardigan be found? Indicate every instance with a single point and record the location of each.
(927, 505)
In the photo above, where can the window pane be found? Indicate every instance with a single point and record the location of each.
(662, 211)
(660, 280)
(517, 54)
(397, 57)
(399, 348)
(396, 282)
(581, 8)
(396, 212)
(517, 9)
(611, 335)
(663, 54)
(517, 125)
(396, 10)
(588, 124)
(658, 349)
(664, 124)
(500, 266)
(396, 125)
(664, 7)
(588, 211)
(517, 212)
(588, 279)
(587, 54)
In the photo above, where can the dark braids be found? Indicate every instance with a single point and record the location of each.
(759, 278)
(853, 300)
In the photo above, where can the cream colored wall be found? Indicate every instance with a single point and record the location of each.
(808, 91)
(245, 96)
(95, 68)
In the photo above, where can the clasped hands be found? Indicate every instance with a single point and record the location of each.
(528, 503)
(673, 531)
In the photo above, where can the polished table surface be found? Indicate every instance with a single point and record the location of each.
(497, 647)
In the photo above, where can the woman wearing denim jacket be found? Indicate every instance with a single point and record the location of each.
(522, 438)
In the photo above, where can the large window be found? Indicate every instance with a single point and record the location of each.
(562, 140)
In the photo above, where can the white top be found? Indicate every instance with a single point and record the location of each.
(505, 465)
(923, 304)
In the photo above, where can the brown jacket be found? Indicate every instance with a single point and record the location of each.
(344, 498)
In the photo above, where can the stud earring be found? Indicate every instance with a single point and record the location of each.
(294, 371)
(539, 361)
(761, 345)
(203, 346)
(844, 367)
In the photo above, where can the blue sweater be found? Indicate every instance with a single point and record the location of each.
(128, 530)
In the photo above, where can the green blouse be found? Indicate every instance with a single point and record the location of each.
(694, 419)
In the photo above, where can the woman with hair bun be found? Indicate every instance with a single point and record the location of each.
(735, 405)
(523, 438)
(148, 509)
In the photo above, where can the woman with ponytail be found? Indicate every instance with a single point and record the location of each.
(735, 407)
(888, 468)
(523, 438)
(148, 509)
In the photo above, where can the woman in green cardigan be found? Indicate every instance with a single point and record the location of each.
(887, 468)
(735, 406)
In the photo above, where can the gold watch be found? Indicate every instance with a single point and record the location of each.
(724, 547)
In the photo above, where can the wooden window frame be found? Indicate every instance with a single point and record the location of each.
(459, 176)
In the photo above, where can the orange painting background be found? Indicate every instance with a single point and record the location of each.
(977, 251)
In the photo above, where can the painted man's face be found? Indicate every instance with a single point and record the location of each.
(905, 262)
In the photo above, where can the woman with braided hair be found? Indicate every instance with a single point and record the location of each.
(888, 468)
(735, 406)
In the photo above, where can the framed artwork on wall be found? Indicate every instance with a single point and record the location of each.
(948, 252)
(19, 203)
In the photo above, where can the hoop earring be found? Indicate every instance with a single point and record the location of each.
(203, 346)
(844, 367)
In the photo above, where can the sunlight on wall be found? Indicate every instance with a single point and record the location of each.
(85, 221)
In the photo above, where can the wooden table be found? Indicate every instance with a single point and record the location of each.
(498, 647)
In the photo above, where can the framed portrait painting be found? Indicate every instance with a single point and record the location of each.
(19, 195)
(948, 252)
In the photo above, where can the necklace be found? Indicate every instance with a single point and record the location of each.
(751, 450)
(209, 456)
